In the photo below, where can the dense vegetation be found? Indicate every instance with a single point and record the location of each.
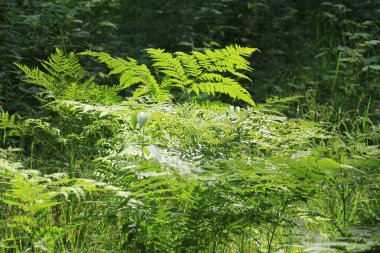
(189, 126)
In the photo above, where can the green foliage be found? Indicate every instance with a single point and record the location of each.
(204, 176)
(335, 54)
(132, 73)
(64, 74)
(33, 204)
(63, 80)
(201, 72)
(196, 73)
(40, 26)
(201, 192)
(8, 122)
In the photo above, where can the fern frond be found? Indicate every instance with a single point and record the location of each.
(7, 120)
(131, 73)
(190, 64)
(37, 77)
(243, 51)
(74, 69)
(64, 67)
(197, 72)
(226, 86)
(202, 72)
(211, 77)
(170, 66)
(61, 71)
(228, 60)
(63, 78)
(212, 83)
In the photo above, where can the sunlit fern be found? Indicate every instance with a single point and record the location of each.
(28, 197)
(8, 125)
(209, 73)
(64, 78)
(132, 73)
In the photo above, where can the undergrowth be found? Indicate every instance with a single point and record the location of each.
(171, 166)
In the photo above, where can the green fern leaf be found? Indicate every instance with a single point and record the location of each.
(190, 64)
(168, 65)
(228, 59)
(37, 77)
(197, 72)
(131, 73)
(64, 67)
(63, 80)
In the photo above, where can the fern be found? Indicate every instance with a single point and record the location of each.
(209, 72)
(9, 122)
(212, 83)
(202, 72)
(66, 68)
(132, 73)
(29, 198)
(189, 63)
(230, 59)
(170, 66)
(37, 77)
(61, 71)
(63, 77)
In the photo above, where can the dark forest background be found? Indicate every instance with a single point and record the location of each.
(328, 51)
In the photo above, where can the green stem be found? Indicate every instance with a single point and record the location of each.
(336, 74)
